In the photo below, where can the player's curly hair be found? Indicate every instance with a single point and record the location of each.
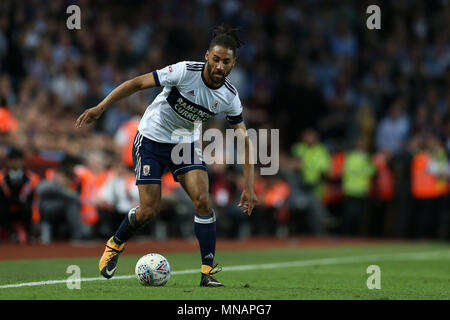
(226, 37)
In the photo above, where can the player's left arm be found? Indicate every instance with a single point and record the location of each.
(248, 198)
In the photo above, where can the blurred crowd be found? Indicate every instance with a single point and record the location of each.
(363, 116)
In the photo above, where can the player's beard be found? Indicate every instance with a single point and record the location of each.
(211, 75)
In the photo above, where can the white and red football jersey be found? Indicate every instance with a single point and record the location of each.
(185, 100)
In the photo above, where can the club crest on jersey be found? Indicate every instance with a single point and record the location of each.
(170, 69)
(146, 169)
(215, 105)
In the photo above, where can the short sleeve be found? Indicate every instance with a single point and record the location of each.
(234, 112)
(171, 75)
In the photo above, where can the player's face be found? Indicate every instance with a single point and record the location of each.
(219, 62)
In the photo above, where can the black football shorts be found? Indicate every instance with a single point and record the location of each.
(150, 159)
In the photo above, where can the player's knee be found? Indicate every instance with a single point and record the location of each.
(201, 204)
(146, 213)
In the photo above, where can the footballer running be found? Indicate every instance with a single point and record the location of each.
(192, 92)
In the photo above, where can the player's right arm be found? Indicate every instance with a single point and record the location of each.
(122, 91)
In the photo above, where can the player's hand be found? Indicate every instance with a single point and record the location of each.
(248, 200)
(88, 116)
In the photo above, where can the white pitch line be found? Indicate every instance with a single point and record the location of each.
(300, 263)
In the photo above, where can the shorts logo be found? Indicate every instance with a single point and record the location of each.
(146, 169)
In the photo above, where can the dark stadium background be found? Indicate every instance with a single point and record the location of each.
(304, 65)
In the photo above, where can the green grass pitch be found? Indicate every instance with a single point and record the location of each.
(407, 271)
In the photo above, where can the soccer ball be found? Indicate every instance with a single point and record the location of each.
(153, 270)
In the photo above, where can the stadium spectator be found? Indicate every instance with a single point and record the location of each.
(314, 164)
(18, 199)
(276, 201)
(361, 125)
(224, 194)
(403, 201)
(115, 197)
(8, 122)
(59, 204)
(394, 128)
(333, 197)
(429, 186)
(382, 212)
(69, 87)
(421, 123)
(84, 183)
(356, 179)
(124, 138)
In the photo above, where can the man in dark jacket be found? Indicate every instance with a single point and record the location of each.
(17, 198)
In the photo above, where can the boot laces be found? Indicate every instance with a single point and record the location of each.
(213, 271)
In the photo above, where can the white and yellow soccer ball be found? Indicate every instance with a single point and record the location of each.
(152, 270)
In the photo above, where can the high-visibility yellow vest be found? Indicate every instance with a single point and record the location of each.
(357, 174)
